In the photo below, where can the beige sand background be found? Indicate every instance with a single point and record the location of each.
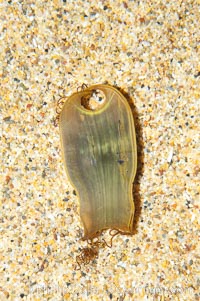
(150, 50)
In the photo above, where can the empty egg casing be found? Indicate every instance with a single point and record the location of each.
(99, 150)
